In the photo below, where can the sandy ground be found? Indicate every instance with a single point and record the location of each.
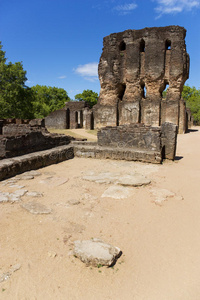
(83, 133)
(160, 243)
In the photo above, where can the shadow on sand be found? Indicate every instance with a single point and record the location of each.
(192, 130)
(177, 158)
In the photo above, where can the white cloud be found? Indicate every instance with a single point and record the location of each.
(62, 77)
(88, 71)
(175, 6)
(125, 8)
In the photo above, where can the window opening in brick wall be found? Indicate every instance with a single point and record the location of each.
(142, 46)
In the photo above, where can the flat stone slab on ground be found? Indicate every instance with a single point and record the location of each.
(54, 181)
(73, 202)
(161, 195)
(34, 194)
(116, 192)
(16, 186)
(20, 192)
(4, 197)
(134, 179)
(36, 208)
(33, 173)
(96, 253)
(12, 197)
(104, 177)
(25, 177)
(10, 181)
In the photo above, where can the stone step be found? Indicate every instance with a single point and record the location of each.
(131, 154)
(32, 161)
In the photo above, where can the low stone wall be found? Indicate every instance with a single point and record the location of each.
(143, 138)
(119, 153)
(33, 161)
(22, 139)
(132, 136)
(21, 129)
(129, 142)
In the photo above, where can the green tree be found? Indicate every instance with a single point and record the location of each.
(48, 99)
(192, 98)
(15, 97)
(89, 96)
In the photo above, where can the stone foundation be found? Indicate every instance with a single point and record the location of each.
(22, 139)
(135, 142)
(140, 138)
(33, 161)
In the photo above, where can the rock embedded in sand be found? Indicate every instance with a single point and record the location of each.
(20, 192)
(134, 179)
(161, 195)
(116, 192)
(26, 177)
(36, 208)
(33, 173)
(4, 197)
(34, 194)
(54, 181)
(11, 197)
(73, 202)
(6, 276)
(96, 253)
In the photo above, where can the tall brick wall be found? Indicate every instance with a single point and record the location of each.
(135, 68)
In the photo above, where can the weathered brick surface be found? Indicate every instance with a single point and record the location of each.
(134, 69)
(17, 165)
(136, 136)
(20, 129)
(57, 119)
(169, 140)
(75, 114)
(21, 139)
(159, 141)
(130, 154)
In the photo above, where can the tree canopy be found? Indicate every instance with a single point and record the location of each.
(19, 101)
(48, 99)
(15, 96)
(192, 98)
(89, 96)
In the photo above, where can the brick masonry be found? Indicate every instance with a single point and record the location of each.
(135, 68)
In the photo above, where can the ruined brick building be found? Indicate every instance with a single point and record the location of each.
(135, 120)
(75, 114)
(135, 68)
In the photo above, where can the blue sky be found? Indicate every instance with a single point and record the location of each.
(60, 41)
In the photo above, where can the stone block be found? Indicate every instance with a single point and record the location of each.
(96, 253)
(169, 140)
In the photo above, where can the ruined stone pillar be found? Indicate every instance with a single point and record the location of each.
(134, 69)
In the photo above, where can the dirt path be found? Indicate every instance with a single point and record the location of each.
(84, 133)
(160, 241)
